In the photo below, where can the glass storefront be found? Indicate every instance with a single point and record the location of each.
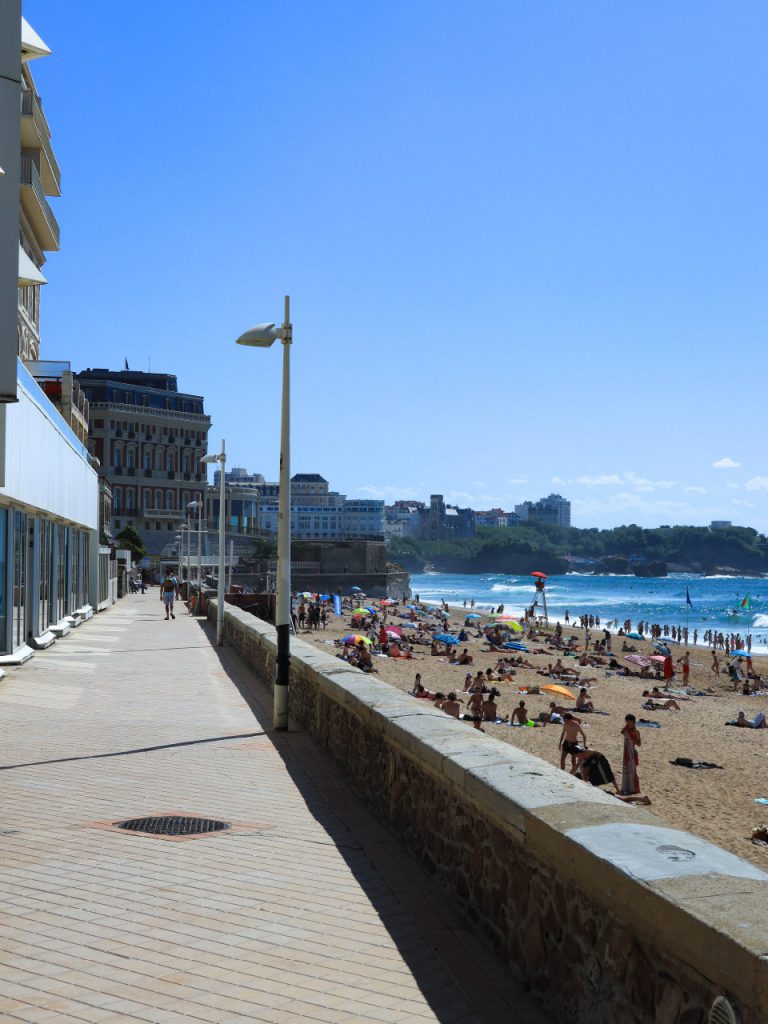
(44, 567)
(19, 586)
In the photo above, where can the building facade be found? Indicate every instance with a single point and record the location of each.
(149, 438)
(49, 490)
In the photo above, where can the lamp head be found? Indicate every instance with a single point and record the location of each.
(211, 458)
(260, 336)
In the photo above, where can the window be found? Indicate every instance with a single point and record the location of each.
(147, 458)
(158, 499)
(169, 502)
(147, 499)
(171, 461)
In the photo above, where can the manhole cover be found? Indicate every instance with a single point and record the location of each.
(177, 827)
(173, 825)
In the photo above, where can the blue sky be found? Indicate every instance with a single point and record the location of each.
(525, 241)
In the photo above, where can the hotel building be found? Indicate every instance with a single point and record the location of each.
(149, 438)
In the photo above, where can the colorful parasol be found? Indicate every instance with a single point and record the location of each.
(561, 690)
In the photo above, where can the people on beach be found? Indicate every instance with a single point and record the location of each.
(630, 782)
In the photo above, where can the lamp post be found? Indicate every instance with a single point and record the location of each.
(221, 459)
(262, 336)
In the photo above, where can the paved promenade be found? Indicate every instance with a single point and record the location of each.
(309, 912)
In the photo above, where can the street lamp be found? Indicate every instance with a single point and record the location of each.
(221, 459)
(262, 336)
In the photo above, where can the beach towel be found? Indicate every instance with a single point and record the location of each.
(686, 762)
(648, 724)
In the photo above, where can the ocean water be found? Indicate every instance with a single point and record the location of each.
(660, 600)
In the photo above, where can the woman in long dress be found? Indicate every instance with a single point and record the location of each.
(630, 783)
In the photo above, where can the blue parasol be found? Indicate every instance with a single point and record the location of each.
(446, 638)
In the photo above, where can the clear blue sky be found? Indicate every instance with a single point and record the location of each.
(526, 242)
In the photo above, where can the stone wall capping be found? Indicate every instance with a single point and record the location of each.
(609, 914)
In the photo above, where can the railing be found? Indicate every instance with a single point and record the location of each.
(147, 410)
(31, 177)
(30, 107)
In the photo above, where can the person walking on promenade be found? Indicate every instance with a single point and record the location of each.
(630, 783)
(169, 591)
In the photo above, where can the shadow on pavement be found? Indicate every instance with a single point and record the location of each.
(137, 750)
(459, 974)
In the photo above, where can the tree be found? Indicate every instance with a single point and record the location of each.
(130, 539)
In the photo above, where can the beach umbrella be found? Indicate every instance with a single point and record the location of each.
(741, 654)
(394, 631)
(408, 625)
(635, 636)
(386, 601)
(512, 624)
(513, 645)
(356, 590)
(371, 611)
(638, 659)
(473, 615)
(661, 647)
(561, 690)
(658, 658)
(361, 611)
(446, 638)
(355, 638)
(413, 607)
(305, 593)
(539, 575)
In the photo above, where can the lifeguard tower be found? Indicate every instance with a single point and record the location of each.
(540, 598)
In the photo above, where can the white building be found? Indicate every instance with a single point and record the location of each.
(555, 510)
(48, 489)
(317, 513)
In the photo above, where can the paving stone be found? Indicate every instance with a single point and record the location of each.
(322, 916)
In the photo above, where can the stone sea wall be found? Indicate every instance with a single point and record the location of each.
(608, 914)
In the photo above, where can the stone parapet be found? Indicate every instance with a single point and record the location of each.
(609, 914)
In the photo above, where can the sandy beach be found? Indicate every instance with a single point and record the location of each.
(717, 804)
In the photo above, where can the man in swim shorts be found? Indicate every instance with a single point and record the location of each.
(569, 740)
(169, 591)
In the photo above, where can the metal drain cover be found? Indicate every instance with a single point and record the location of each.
(173, 825)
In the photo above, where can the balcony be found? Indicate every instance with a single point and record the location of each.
(35, 134)
(162, 513)
(36, 207)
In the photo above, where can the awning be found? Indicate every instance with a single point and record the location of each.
(32, 45)
(28, 272)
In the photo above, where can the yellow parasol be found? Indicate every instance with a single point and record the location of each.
(561, 690)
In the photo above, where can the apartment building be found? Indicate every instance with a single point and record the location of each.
(149, 438)
(554, 510)
(48, 490)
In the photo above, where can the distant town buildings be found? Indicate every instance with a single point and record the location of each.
(149, 438)
(440, 521)
(720, 524)
(317, 513)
